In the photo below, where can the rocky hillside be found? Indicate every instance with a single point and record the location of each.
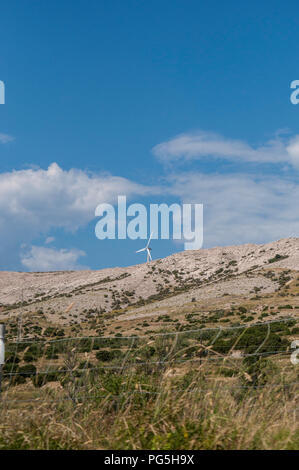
(134, 291)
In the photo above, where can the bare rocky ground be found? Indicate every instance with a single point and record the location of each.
(211, 278)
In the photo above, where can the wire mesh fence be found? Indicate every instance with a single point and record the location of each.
(113, 367)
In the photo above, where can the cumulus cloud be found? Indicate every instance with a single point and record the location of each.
(34, 201)
(39, 258)
(5, 138)
(238, 208)
(203, 144)
(241, 208)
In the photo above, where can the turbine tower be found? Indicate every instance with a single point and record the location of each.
(147, 249)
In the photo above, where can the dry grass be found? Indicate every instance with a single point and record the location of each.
(228, 402)
(159, 409)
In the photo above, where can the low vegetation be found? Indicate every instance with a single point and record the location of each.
(185, 390)
(189, 352)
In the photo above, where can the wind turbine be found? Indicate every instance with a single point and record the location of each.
(147, 249)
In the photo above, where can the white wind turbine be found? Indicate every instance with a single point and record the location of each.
(147, 249)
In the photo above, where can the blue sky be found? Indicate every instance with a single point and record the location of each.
(184, 101)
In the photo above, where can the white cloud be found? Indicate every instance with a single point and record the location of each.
(293, 150)
(34, 201)
(39, 258)
(49, 240)
(5, 138)
(241, 208)
(238, 208)
(203, 144)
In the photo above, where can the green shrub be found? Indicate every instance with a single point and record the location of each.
(105, 355)
(242, 309)
(27, 370)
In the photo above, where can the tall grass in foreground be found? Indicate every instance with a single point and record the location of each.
(254, 406)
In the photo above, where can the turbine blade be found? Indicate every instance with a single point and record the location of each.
(142, 249)
(149, 239)
(149, 256)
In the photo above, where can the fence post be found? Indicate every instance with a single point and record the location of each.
(2, 351)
